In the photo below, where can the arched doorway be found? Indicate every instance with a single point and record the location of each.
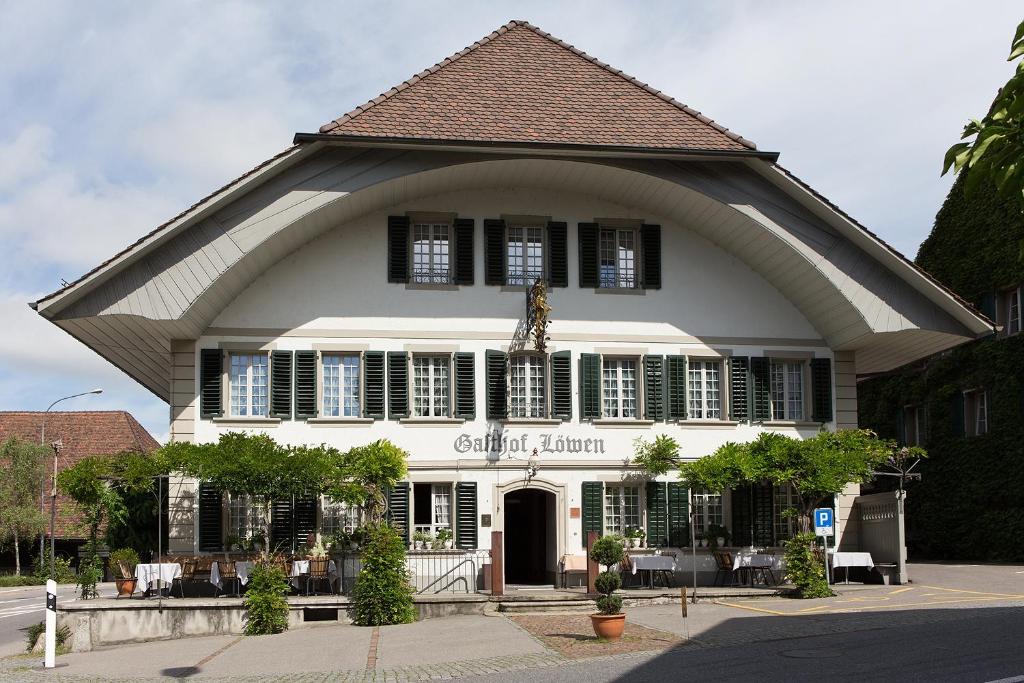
(530, 537)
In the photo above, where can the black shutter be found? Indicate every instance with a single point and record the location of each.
(739, 388)
(398, 509)
(752, 515)
(211, 518)
(764, 522)
(593, 509)
(373, 384)
(760, 404)
(303, 518)
(558, 248)
(281, 384)
(210, 376)
(497, 393)
(587, 238)
(650, 244)
(590, 386)
(821, 389)
(465, 515)
(742, 522)
(465, 385)
(464, 228)
(957, 413)
(561, 385)
(657, 515)
(398, 384)
(305, 385)
(654, 388)
(678, 515)
(675, 387)
(281, 537)
(494, 252)
(398, 248)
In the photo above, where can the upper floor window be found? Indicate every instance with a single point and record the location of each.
(707, 510)
(430, 250)
(976, 412)
(526, 374)
(431, 382)
(524, 262)
(617, 255)
(1013, 311)
(249, 384)
(340, 375)
(704, 389)
(787, 390)
(619, 388)
(621, 508)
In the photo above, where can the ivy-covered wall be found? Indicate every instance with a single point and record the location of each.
(969, 504)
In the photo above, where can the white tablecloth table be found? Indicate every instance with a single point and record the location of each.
(847, 559)
(651, 564)
(301, 567)
(242, 568)
(750, 560)
(148, 574)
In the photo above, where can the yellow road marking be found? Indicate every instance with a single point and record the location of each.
(852, 609)
(756, 609)
(960, 590)
(901, 590)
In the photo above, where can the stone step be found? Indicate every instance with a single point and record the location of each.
(521, 607)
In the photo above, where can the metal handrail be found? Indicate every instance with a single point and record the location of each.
(452, 583)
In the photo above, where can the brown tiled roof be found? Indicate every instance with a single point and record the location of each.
(81, 433)
(520, 84)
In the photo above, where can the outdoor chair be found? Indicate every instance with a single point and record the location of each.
(229, 576)
(725, 572)
(318, 573)
(188, 574)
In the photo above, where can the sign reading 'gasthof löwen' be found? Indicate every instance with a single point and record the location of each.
(497, 442)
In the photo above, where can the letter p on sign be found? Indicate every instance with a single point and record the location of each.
(823, 522)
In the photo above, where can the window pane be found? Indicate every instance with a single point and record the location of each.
(525, 257)
(260, 386)
(239, 380)
(248, 379)
(712, 398)
(430, 253)
(517, 387)
(778, 391)
(784, 499)
(515, 256)
(607, 260)
(331, 374)
(794, 391)
(421, 386)
(442, 504)
(610, 388)
(440, 380)
(626, 259)
(707, 510)
(350, 383)
(696, 390)
(612, 514)
(628, 388)
(536, 376)
(630, 506)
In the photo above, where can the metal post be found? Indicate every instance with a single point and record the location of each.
(42, 486)
(53, 512)
(693, 542)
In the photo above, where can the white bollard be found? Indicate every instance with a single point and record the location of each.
(51, 623)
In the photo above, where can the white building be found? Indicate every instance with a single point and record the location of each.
(371, 282)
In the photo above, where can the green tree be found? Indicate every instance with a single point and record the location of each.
(20, 517)
(996, 153)
(382, 593)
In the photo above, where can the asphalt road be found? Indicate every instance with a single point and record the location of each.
(22, 607)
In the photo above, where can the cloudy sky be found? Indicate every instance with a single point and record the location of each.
(115, 116)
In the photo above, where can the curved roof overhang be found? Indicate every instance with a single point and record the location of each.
(858, 294)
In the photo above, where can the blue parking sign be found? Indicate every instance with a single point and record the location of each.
(823, 522)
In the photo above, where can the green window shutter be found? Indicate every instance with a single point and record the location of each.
(650, 243)
(211, 403)
(678, 515)
(821, 389)
(464, 229)
(742, 515)
(764, 514)
(654, 388)
(675, 387)
(494, 252)
(558, 248)
(211, 518)
(465, 515)
(398, 509)
(303, 518)
(398, 384)
(739, 388)
(657, 515)
(305, 385)
(590, 386)
(752, 515)
(497, 391)
(398, 248)
(958, 413)
(561, 385)
(282, 540)
(465, 385)
(281, 384)
(760, 405)
(587, 238)
(593, 509)
(373, 384)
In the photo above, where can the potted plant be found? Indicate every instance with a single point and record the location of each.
(444, 539)
(609, 621)
(637, 537)
(340, 542)
(421, 539)
(716, 536)
(125, 580)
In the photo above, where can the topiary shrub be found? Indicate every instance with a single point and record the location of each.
(266, 608)
(382, 593)
(805, 569)
(608, 551)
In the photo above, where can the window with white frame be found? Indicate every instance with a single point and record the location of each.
(526, 386)
(340, 385)
(704, 389)
(707, 510)
(337, 516)
(432, 507)
(430, 251)
(617, 256)
(784, 500)
(1013, 311)
(621, 508)
(248, 373)
(246, 518)
(525, 255)
(431, 382)
(787, 390)
(975, 412)
(619, 388)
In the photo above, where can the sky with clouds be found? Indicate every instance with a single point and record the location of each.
(114, 116)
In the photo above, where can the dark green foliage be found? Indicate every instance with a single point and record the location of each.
(13, 580)
(126, 555)
(608, 551)
(63, 573)
(266, 607)
(90, 572)
(609, 604)
(382, 592)
(805, 569)
(608, 582)
(33, 632)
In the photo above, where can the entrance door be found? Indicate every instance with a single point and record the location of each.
(530, 537)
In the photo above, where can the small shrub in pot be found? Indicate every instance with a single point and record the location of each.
(609, 622)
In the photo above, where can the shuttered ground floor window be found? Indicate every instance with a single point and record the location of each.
(432, 507)
(621, 509)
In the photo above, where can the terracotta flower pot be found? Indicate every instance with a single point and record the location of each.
(608, 626)
(125, 587)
